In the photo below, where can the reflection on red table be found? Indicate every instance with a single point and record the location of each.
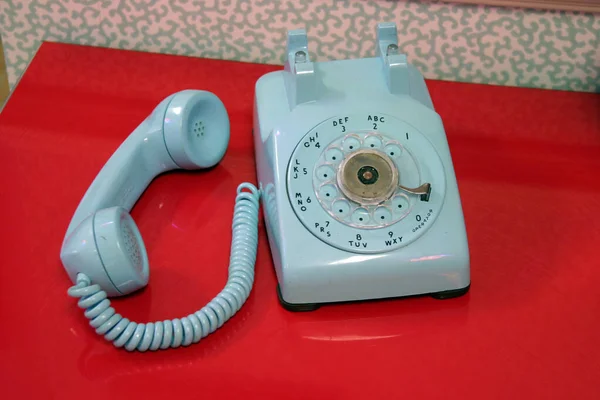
(528, 166)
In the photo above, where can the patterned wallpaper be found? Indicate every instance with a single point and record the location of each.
(547, 49)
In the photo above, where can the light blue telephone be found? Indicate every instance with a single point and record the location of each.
(355, 178)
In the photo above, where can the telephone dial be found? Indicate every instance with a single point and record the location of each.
(355, 177)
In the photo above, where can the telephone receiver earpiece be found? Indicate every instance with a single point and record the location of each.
(187, 130)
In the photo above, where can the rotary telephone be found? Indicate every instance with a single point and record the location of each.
(355, 177)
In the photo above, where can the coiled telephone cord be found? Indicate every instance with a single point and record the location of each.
(182, 332)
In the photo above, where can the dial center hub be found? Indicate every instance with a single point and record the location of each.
(367, 177)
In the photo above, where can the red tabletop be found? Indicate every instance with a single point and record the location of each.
(528, 166)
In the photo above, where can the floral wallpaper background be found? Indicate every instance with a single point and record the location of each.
(532, 48)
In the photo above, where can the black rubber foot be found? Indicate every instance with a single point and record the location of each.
(446, 294)
(450, 294)
(295, 307)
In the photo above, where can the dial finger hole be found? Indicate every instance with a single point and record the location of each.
(325, 173)
(328, 192)
(361, 216)
(393, 150)
(382, 215)
(341, 208)
(400, 204)
(373, 142)
(351, 144)
(334, 155)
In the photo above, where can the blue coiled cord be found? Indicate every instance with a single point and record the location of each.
(185, 331)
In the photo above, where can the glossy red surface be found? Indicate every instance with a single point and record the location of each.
(528, 166)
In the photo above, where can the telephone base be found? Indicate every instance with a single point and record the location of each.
(358, 188)
(443, 295)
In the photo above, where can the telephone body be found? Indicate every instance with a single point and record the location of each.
(355, 179)
(317, 127)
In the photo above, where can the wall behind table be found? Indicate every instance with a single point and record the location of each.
(3, 77)
(547, 49)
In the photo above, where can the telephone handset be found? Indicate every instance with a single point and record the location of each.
(354, 175)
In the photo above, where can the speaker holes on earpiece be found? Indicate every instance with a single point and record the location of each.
(132, 248)
(192, 328)
(199, 128)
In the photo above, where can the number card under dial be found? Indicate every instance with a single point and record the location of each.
(315, 194)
